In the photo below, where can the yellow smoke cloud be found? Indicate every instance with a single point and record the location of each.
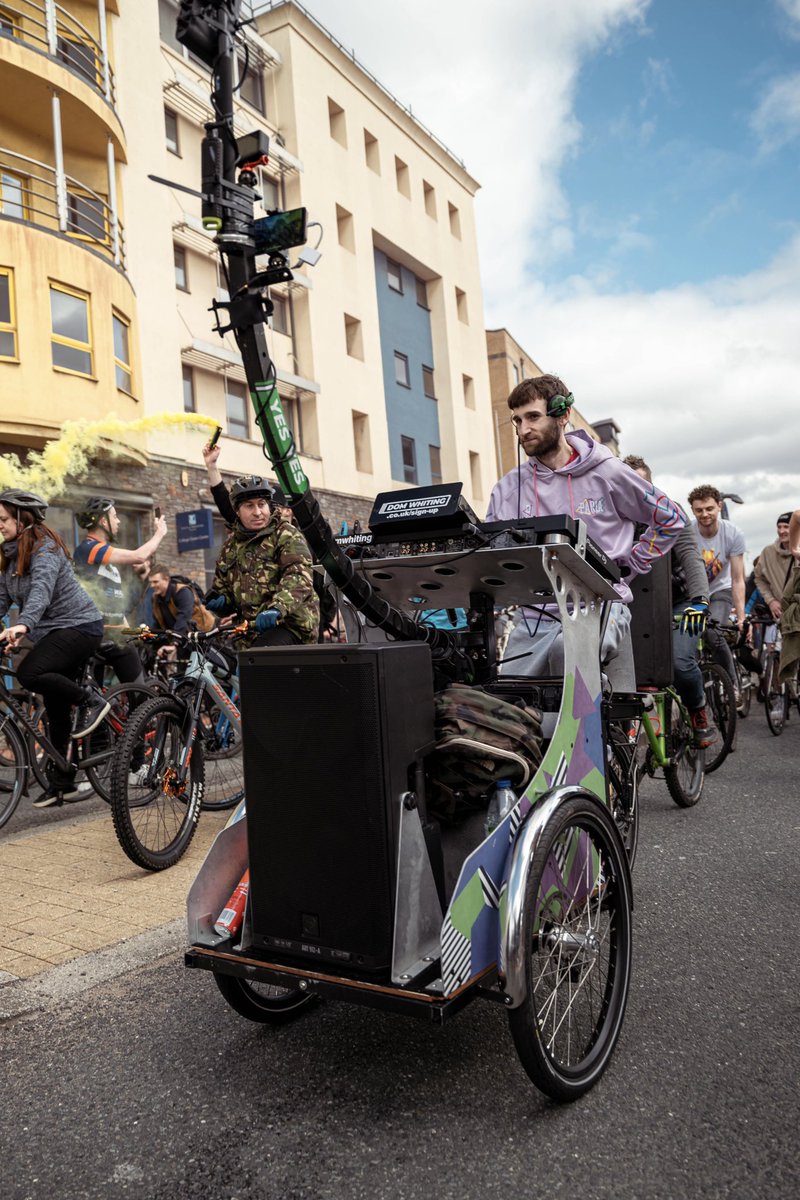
(71, 454)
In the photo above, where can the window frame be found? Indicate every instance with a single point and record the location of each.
(10, 326)
(280, 304)
(187, 375)
(8, 26)
(170, 112)
(24, 188)
(103, 235)
(117, 318)
(428, 376)
(177, 248)
(229, 425)
(408, 443)
(253, 71)
(401, 359)
(398, 274)
(436, 476)
(72, 343)
(421, 286)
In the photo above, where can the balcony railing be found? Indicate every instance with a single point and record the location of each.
(53, 30)
(32, 191)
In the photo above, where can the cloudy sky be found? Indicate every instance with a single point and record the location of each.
(638, 218)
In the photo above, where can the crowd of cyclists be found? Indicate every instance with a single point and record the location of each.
(265, 584)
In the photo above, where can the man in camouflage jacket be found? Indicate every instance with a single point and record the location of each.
(264, 572)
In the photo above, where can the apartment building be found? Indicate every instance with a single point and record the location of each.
(106, 276)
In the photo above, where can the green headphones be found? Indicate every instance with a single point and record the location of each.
(558, 405)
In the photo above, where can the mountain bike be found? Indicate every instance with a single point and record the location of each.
(26, 749)
(721, 702)
(181, 738)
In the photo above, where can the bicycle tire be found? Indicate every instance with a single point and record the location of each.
(745, 691)
(262, 1002)
(776, 702)
(577, 933)
(223, 758)
(623, 789)
(721, 706)
(685, 773)
(155, 819)
(13, 768)
(105, 738)
(37, 755)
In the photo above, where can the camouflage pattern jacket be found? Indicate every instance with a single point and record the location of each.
(269, 569)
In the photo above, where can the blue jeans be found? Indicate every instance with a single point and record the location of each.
(685, 667)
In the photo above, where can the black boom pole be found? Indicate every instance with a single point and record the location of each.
(209, 28)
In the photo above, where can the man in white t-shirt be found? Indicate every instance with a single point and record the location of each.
(722, 546)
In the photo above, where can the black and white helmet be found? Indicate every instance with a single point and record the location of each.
(95, 508)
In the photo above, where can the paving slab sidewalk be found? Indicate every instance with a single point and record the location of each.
(67, 890)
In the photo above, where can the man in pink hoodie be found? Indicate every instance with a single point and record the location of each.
(570, 473)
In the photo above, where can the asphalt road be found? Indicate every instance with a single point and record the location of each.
(149, 1086)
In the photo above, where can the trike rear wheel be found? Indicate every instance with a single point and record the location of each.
(577, 934)
(264, 1002)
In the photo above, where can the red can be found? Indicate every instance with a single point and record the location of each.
(229, 921)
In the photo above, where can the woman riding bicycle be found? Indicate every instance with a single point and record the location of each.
(58, 616)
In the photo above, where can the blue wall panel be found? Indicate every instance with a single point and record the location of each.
(405, 326)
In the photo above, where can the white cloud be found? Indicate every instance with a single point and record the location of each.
(776, 120)
(791, 9)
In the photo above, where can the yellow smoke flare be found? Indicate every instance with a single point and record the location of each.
(71, 454)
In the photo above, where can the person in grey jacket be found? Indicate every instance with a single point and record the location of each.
(61, 620)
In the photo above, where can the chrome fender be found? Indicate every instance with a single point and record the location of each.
(512, 950)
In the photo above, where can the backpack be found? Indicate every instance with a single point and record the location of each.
(202, 619)
(480, 738)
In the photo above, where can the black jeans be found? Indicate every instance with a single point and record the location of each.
(124, 662)
(52, 669)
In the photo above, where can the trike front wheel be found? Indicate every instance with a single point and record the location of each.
(264, 1002)
(577, 934)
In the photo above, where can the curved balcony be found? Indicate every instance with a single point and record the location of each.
(39, 193)
(51, 29)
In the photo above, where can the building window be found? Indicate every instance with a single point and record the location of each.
(515, 372)
(293, 412)
(71, 340)
(167, 17)
(87, 216)
(280, 313)
(371, 152)
(80, 56)
(189, 402)
(336, 122)
(122, 353)
(469, 390)
(171, 131)
(401, 375)
(353, 337)
(251, 86)
(181, 275)
(422, 292)
(8, 316)
(461, 306)
(361, 442)
(12, 194)
(394, 275)
(409, 459)
(436, 464)
(455, 220)
(427, 383)
(269, 193)
(429, 196)
(475, 474)
(344, 229)
(8, 26)
(401, 175)
(236, 409)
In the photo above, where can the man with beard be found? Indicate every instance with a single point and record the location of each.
(568, 472)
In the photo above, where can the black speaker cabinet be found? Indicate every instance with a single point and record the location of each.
(651, 625)
(332, 736)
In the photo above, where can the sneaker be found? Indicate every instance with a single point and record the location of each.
(62, 787)
(90, 714)
(704, 734)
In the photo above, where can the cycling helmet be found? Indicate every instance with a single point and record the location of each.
(19, 498)
(95, 508)
(249, 487)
